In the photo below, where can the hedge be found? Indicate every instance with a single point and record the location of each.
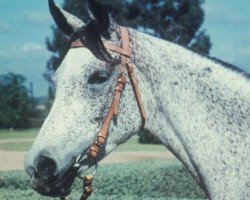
(145, 180)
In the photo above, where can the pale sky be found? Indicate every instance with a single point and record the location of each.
(25, 24)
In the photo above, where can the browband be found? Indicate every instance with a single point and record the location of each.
(111, 47)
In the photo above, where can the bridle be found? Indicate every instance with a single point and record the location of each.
(126, 65)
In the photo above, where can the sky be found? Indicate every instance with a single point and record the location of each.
(24, 26)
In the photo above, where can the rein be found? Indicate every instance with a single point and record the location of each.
(126, 65)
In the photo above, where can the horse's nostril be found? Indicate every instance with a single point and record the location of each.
(46, 168)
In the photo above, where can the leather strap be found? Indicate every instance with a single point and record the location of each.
(126, 64)
(134, 82)
(118, 92)
(130, 69)
(111, 47)
(76, 44)
(122, 51)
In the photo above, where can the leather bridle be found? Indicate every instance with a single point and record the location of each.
(126, 65)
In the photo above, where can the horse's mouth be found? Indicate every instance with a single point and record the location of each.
(58, 188)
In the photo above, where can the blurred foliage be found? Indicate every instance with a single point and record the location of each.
(14, 102)
(145, 180)
(19, 109)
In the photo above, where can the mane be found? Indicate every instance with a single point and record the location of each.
(222, 63)
(91, 37)
(230, 66)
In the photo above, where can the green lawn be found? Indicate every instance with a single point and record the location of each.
(133, 145)
(15, 135)
(144, 180)
(130, 145)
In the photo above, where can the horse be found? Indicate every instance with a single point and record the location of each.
(198, 107)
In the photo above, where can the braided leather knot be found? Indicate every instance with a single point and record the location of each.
(94, 149)
(120, 83)
(87, 187)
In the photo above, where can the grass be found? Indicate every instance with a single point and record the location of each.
(130, 145)
(18, 134)
(133, 145)
(15, 135)
(144, 180)
(17, 146)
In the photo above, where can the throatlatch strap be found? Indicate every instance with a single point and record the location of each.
(134, 82)
(130, 69)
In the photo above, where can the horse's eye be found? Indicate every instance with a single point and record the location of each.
(98, 77)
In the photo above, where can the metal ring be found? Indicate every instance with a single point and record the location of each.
(96, 168)
(94, 172)
(79, 160)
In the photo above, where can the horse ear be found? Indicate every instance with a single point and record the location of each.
(93, 41)
(67, 22)
(99, 12)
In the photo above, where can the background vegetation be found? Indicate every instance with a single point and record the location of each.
(18, 107)
(144, 180)
(14, 102)
(147, 180)
(22, 140)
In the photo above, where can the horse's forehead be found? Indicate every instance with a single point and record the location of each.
(78, 61)
(71, 78)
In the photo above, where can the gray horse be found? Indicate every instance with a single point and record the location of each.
(198, 107)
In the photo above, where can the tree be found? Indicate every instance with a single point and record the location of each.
(14, 101)
(178, 21)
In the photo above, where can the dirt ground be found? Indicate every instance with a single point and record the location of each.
(13, 160)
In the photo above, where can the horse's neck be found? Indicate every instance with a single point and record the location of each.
(198, 108)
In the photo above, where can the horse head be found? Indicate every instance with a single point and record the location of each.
(84, 84)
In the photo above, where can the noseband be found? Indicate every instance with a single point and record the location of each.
(126, 65)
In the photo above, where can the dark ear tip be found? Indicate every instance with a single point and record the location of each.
(51, 5)
(51, 2)
(100, 13)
